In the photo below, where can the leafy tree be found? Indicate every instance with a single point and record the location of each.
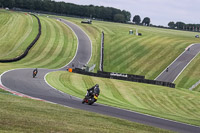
(1, 1)
(127, 15)
(180, 25)
(29, 4)
(92, 10)
(146, 21)
(136, 19)
(171, 25)
(119, 18)
(105, 13)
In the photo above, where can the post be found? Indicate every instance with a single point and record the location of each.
(102, 52)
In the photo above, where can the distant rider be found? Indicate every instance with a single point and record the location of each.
(167, 69)
(35, 71)
(94, 90)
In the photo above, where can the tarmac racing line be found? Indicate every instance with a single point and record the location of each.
(22, 82)
(171, 73)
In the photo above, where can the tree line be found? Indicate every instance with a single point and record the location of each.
(137, 20)
(182, 26)
(98, 12)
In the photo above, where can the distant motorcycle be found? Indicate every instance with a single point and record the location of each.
(90, 98)
(35, 71)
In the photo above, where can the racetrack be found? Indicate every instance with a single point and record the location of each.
(176, 67)
(21, 80)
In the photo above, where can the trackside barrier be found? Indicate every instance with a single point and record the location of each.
(102, 52)
(28, 48)
(119, 75)
(127, 77)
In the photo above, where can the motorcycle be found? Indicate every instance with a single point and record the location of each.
(34, 74)
(90, 99)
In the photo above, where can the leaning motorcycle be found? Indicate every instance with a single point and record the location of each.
(90, 99)
(34, 74)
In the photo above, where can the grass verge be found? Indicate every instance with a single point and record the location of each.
(15, 39)
(25, 115)
(147, 55)
(54, 49)
(175, 104)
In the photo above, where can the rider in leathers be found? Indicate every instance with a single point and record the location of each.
(94, 90)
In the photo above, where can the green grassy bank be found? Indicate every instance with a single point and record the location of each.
(25, 115)
(147, 55)
(57, 46)
(175, 104)
(54, 49)
(18, 30)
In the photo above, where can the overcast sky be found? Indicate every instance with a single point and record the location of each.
(161, 12)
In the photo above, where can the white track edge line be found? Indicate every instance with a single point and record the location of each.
(77, 40)
(125, 109)
(173, 62)
(24, 95)
(57, 89)
(77, 47)
(186, 66)
(79, 98)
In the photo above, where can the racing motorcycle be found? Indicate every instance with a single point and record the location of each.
(34, 73)
(90, 98)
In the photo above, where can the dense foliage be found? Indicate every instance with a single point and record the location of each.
(99, 12)
(136, 19)
(146, 21)
(182, 26)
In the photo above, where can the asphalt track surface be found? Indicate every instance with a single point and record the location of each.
(181, 62)
(21, 81)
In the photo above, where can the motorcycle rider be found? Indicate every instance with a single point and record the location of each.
(35, 71)
(94, 90)
(91, 95)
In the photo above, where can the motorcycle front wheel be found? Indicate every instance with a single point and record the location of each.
(83, 101)
(90, 102)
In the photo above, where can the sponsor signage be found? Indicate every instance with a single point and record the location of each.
(118, 75)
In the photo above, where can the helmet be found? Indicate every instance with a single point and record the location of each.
(96, 85)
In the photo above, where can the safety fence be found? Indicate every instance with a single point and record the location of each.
(127, 77)
(28, 48)
(102, 52)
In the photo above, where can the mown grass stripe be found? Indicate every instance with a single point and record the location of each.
(35, 53)
(126, 51)
(154, 100)
(56, 47)
(106, 30)
(24, 37)
(126, 93)
(45, 45)
(149, 59)
(7, 24)
(168, 40)
(121, 49)
(49, 48)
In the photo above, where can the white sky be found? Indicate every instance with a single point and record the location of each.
(161, 12)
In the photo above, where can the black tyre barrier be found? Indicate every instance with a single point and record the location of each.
(28, 48)
(127, 77)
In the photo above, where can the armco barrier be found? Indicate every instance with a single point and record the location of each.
(28, 48)
(133, 78)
